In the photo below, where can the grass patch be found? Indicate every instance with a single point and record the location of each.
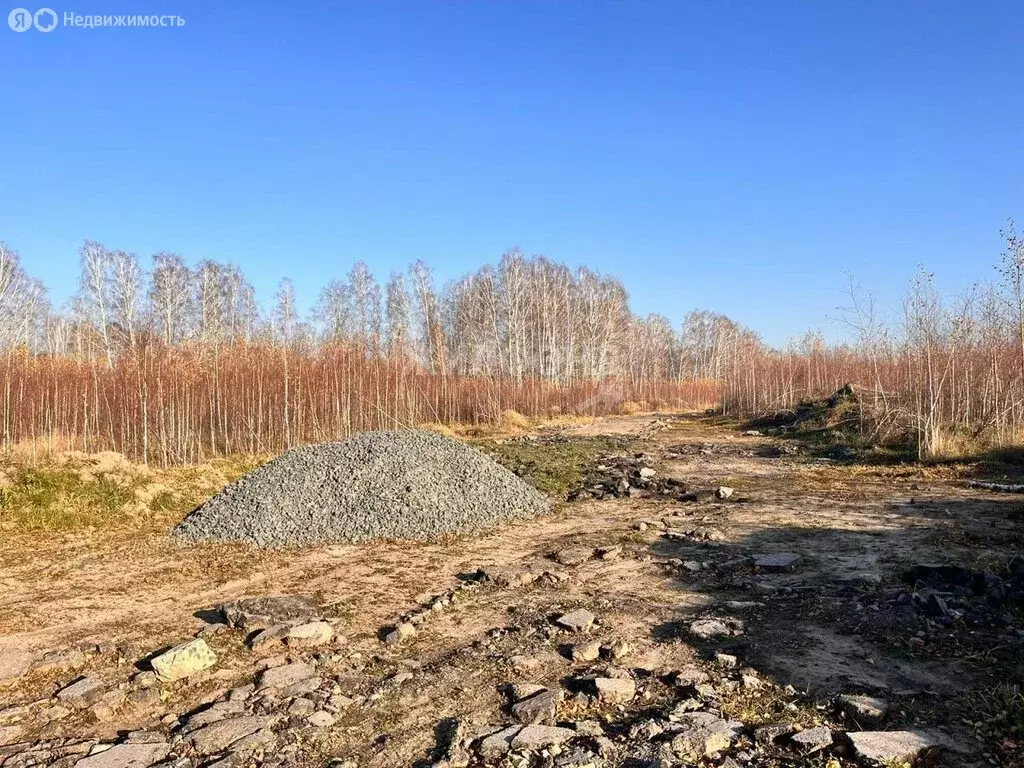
(75, 491)
(553, 466)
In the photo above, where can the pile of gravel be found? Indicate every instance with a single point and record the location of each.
(375, 485)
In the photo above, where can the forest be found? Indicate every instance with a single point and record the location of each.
(172, 363)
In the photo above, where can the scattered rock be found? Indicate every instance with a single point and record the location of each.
(269, 637)
(321, 719)
(82, 693)
(9, 734)
(768, 734)
(813, 739)
(891, 746)
(703, 735)
(573, 555)
(287, 675)
(537, 708)
(402, 631)
(183, 660)
(778, 562)
(579, 620)
(309, 635)
(862, 709)
(708, 629)
(724, 492)
(499, 742)
(586, 651)
(128, 755)
(218, 736)
(614, 690)
(265, 612)
(537, 737)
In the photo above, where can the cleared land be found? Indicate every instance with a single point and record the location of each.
(669, 572)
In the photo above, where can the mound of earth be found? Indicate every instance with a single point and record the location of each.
(375, 485)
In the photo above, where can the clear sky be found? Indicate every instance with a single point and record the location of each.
(737, 156)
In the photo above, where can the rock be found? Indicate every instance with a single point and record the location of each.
(301, 708)
(768, 734)
(579, 620)
(520, 691)
(812, 739)
(573, 555)
(618, 650)
(127, 755)
(689, 676)
(537, 737)
(588, 651)
(321, 719)
(647, 473)
(82, 693)
(778, 562)
(263, 612)
(510, 576)
(726, 660)
(183, 660)
(309, 635)
(538, 708)
(14, 664)
(886, 747)
(614, 690)
(61, 661)
(401, 632)
(707, 629)
(703, 735)
(289, 674)
(862, 709)
(269, 637)
(218, 736)
(724, 492)
(610, 553)
(498, 743)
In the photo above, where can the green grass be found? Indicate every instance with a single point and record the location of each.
(554, 468)
(53, 498)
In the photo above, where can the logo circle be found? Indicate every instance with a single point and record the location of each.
(20, 19)
(43, 22)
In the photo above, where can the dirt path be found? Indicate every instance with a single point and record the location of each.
(833, 624)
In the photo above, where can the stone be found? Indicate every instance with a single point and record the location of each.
(537, 737)
(579, 620)
(183, 660)
(862, 709)
(778, 562)
(321, 719)
(301, 708)
(588, 651)
(724, 492)
(573, 555)
(289, 674)
(403, 631)
(263, 612)
(268, 638)
(726, 660)
(610, 553)
(892, 746)
(14, 664)
(509, 576)
(618, 650)
(702, 735)
(499, 742)
(708, 629)
(61, 661)
(538, 708)
(310, 635)
(218, 736)
(689, 676)
(614, 690)
(82, 693)
(768, 734)
(647, 473)
(127, 755)
(812, 739)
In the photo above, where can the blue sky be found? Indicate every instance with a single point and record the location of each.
(737, 156)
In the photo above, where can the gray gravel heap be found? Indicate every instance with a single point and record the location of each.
(375, 485)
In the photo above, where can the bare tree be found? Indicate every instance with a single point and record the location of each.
(171, 296)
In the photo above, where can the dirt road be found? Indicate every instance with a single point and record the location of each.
(841, 619)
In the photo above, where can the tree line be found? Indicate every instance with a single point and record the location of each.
(172, 362)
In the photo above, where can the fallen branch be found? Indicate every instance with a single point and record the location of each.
(1000, 487)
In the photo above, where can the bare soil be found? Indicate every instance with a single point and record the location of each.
(829, 626)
